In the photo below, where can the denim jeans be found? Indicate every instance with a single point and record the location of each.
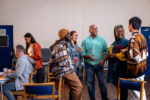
(91, 70)
(7, 88)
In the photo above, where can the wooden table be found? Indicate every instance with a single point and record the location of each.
(2, 81)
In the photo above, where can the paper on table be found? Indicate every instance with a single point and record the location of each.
(1, 78)
(1, 73)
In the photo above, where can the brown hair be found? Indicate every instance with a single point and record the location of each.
(71, 34)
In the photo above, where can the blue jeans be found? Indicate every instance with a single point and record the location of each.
(7, 88)
(91, 70)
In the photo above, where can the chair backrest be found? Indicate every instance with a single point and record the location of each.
(50, 66)
(32, 77)
(131, 84)
(14, 60)
(46, 54)
(59, 86)
(39, 89)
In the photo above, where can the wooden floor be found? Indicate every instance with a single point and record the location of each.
(112, 92)
(111, 89)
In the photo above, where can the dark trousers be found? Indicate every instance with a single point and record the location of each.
(39, 77)
(124, 94)
(91, 70)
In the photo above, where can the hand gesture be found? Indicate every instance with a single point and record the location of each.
(102, 62)
(91, 57)
(112, 55)
(79, 50)
(123, 50)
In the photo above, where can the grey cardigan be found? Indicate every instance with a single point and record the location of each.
(23, 70)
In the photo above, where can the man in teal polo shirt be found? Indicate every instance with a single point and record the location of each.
(94, 49)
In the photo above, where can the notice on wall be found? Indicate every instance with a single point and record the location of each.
(2, 32)
(3, 41)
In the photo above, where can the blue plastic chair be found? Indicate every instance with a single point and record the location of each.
(14, 61)
(42, 91)
(21, 92)
(50, 73)
(130, 84)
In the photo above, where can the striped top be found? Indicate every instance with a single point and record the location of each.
(61, 60)
(137, 55)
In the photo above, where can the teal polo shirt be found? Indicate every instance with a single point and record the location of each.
(94, 46)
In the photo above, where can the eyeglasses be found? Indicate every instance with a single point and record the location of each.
(119, 31)
(118, 26)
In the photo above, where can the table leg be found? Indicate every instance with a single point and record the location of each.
(2, 91)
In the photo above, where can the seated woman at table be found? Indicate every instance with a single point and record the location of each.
(21, 74)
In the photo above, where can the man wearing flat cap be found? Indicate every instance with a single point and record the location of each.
(62, 64)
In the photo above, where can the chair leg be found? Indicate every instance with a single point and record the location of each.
(118, 91)
(83, 77)
(142, 89)
(63, 82)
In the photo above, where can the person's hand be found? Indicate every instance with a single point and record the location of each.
(79, 50)
(4, 74)
(107, 56)
(92, 57)
(102, 62)
(123, 50)
(113, 56)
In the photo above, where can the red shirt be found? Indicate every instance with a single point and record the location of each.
(37, 56)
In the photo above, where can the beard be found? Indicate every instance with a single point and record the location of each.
(93, 34)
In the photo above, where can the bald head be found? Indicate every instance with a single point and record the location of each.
(91, 26)
(93, 30)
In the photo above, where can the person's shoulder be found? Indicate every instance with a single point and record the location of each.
(125, 40)
(23, 59)
(141, 35)
(36, 45)
(87, 38)
(76, 45)
(137, 37)
(61, 45)
(113, 43)
(100, 38)
(68, 44)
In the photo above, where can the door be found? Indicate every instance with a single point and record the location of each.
(6, 46)
(146, 32)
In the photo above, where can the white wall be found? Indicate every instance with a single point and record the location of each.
(43, 18)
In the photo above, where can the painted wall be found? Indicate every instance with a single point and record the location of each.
(43, 18)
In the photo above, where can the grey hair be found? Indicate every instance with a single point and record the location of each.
(20, 48)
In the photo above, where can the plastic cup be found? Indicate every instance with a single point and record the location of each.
(75, 59)
(9, 70)
(5, 69)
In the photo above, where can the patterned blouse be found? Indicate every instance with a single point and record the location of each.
(137, 55)
(61, 60)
